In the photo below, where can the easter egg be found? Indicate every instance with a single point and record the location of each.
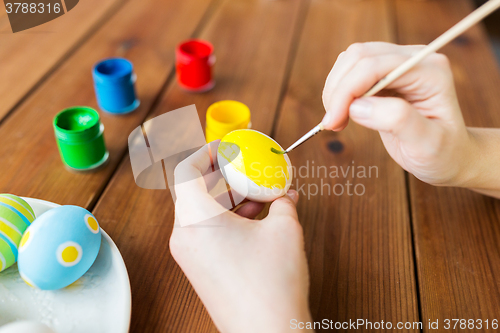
(251, 168)
(59, 247)
(15, 216)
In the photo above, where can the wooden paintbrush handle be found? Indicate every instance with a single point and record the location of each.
(455, 31)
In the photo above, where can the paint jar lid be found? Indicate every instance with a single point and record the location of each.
(226, 116)
(112, 71)
(77, 124)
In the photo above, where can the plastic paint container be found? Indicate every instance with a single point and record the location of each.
(224, 117)
(114, 81)
(79, 136)
(194, 63)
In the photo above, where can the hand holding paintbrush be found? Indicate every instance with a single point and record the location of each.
(438, 43)
(423, 128)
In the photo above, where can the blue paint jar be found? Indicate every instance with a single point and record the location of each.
(114, 80)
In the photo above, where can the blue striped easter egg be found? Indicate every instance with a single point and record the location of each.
(15, 216)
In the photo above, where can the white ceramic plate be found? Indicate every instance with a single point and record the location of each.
(100, 301)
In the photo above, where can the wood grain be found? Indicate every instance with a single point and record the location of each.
(27, 57)
(252, 41)
(145, 32)
(358, 245)
(273, 56)
(457, 232)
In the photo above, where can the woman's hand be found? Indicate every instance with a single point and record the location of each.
(422, 129)
(251, 275)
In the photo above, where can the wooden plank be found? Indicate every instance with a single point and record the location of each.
(27, 56)
(252, 41)
(359, 245)
(457, 232)
(146, 32)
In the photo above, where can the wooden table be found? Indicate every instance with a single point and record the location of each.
(403, 251)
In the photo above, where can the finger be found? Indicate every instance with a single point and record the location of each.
(285, 206)
(251, 209)
(358, 81)
(348, 59)
(194, 167)
(394, 115)
(340, 67)
(342, 126)
(230, 199)
(194, 204)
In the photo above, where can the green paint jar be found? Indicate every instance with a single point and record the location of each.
(79, 136)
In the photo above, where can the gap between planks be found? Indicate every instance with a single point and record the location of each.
(156, 101)
(113, 10)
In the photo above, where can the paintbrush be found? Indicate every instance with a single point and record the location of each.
(455, 31)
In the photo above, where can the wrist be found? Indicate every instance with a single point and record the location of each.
(469, 164)
(479, 169)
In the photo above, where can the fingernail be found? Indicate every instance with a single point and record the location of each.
(293, 195)
(327, 119)
(361, 108)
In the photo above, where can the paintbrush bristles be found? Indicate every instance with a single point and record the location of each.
(276, 151)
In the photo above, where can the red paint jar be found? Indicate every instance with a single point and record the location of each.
(194, 62)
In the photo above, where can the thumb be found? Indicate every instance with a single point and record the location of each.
(285, 206)
(391, 114)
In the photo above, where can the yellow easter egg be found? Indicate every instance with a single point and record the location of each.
(251, 168)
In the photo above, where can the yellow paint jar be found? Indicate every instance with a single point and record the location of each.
(224, 117)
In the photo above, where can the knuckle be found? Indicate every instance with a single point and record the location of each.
(399, 104)
(442, 63)
(341, 55)
(401, 114)
(440, 60)
(367, 64)
(412, 49)
(356, 50)
(287, 202)
(325, 96)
